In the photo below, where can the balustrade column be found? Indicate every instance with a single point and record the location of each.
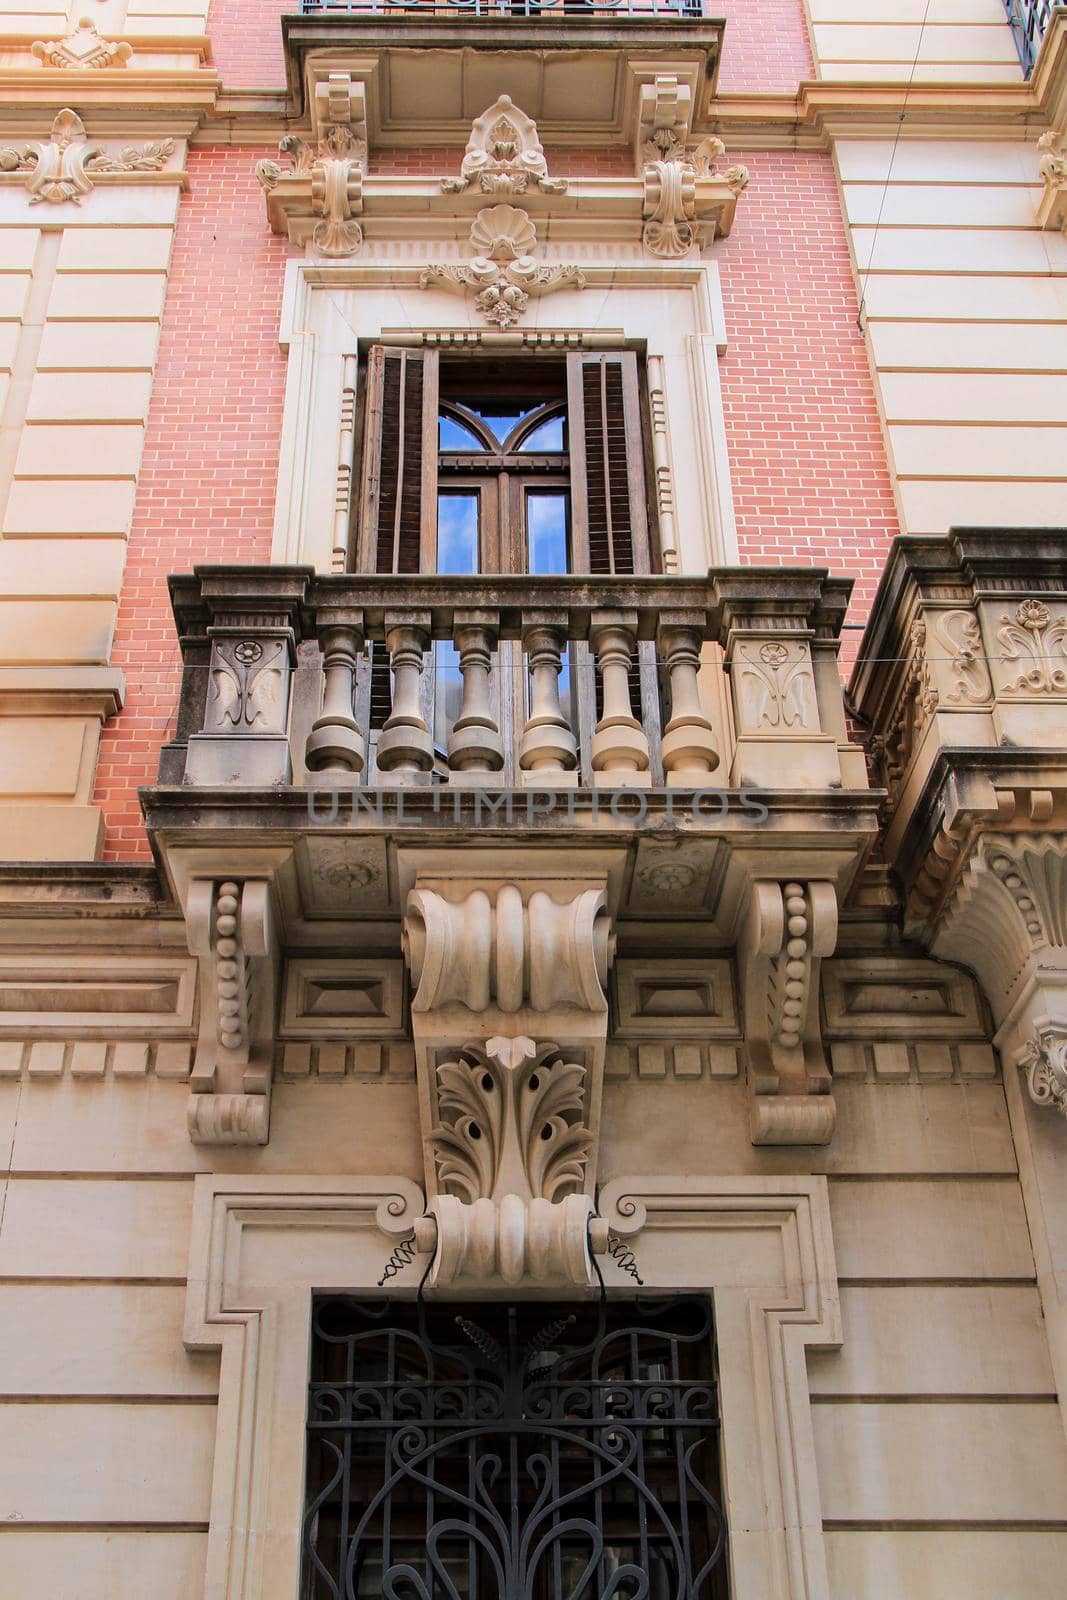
(548, 753)
(335, 744)
(405, 748)
(620, 752)
(689, 752)
(474, 745)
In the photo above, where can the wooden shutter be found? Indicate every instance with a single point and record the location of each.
(608, 507)
(398, 502)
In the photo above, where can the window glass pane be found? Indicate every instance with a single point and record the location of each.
(457, 530)
(499, 416)
(454, 436)
(549, 436)
(547, 530)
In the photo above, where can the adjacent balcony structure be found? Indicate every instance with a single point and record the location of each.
(1029, 22)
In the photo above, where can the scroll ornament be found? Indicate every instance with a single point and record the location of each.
(670, 177)
(1045, 1059)
(502, 268)
(511, 1151)
(336, 168)
(504, 155)
(62, 169)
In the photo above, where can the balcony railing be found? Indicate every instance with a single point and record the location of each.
(506, 682)
(499, 10)
(1029, 20)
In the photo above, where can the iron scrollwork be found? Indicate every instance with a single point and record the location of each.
(513, 1452)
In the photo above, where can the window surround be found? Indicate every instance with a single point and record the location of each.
(674, 310)
(762, 1246)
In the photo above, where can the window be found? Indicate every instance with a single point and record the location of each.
(521, 466)
(524, 466)
(513, 1452)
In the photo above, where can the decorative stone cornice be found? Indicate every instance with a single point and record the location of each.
(63, 168)
(963, 678)
(84, 48)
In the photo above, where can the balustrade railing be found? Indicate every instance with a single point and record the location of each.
(1029, 21)
(500, 10)
(505, 682)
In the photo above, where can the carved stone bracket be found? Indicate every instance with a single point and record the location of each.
(63, 168)
(325, 180)
(83, 48)
(502, 269)
(664, 117)
(230, 931)
(1052, 207)
(511, 1125)
(787, 930)
(504, 155)
(683, 203)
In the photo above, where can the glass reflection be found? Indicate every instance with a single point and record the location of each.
(457, 531)
(549, 436)
(453, 435)
(547, 528)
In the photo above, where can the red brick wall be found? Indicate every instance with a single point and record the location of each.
(246, 41)
(807, 459)
(766, 43)
(207, 484)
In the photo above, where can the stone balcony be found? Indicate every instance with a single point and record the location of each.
(693, 727)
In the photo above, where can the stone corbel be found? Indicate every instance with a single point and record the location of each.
(1052, 207)
(787, 930)
(509, 1017)
(664, 117)
(231, 932)
(686, 201)
(325, 180)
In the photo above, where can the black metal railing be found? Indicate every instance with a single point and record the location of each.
(1029, 21)
(499, 10)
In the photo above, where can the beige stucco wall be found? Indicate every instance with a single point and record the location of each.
(938, 1410)
(945, 41)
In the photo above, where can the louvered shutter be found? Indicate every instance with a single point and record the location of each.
(608, 505)
(398, 503)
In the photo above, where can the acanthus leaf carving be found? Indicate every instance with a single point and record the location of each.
(675, 221)
(504, 273)
(83, 48)
(504, 155)
(1044, 1059)
(333, 167)
(916, 703)
(62, 169)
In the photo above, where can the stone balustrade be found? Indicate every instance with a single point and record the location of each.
(554, 683)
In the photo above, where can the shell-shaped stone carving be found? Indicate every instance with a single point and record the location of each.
(502, 233)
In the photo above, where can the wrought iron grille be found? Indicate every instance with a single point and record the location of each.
(499, 10)
(513, 1452)
(1029, 20)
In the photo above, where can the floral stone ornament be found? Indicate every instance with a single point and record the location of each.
(502, 269)
(63, 169)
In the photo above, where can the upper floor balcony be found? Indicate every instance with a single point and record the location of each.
(1029, 21)
(502, 10)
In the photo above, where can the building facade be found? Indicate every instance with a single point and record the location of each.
(533, 790)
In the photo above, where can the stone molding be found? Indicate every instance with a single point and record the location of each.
(82, 49)
(763, 1246)
(65, 167)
